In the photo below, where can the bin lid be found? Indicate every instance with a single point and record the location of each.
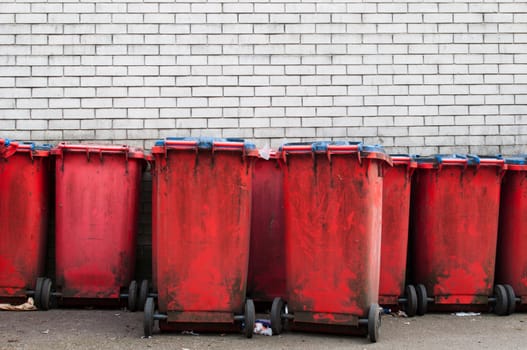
(518, 162)
(130, 152)
(203, 143)
(9, 147)
(335, 147)
(320, 146)
(439, 160)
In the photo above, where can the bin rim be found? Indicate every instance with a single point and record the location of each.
(204, 143)
(88, 148)
(9, 147)
(456, 159)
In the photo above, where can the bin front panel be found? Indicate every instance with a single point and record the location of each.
(24, 189)
(455, 224)
(202, 217)
(333, 233)
(511, 264)
(396, 216)
(266, 259)
(96, 223)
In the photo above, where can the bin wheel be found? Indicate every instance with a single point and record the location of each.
(38, 291)
(148, 321)
(411, 304)
(511, 296)
(132, 296)
(277, 324)
(374, 322)
(249, 318)
(143, 294)
(502, 301)
(45, 295)
(422, 299)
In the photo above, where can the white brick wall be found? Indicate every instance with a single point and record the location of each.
(423, 77)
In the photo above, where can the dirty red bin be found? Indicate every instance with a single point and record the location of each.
(24, 193)
(333, 208)
(455, 208)
(394, 247)
(97, 202)
(202, 216)
(266, 279)
(511, 262)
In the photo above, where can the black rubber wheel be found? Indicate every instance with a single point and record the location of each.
(422, 300)
(502, 301)
(45, 295)
(277, 324)
(148, 322)
(143, 294)
(411, 303)
(511, 296)
(38, 291)
(374, 323)
(132, 296)
(249, 318)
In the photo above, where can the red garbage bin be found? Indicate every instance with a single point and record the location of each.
(266, 279)
(511, 262)
(97, 202)
(394, 247)
(24, 193)
(455, 207)
(332, 203)
(202, 215)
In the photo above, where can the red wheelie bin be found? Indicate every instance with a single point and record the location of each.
(455, 208)
(394, 244)
(511, 260)
(202, 216)
(266, 279)
(24, 193)
(333, 208)
(97, 201)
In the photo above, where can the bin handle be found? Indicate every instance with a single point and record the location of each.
(181, 144)
(228, 146)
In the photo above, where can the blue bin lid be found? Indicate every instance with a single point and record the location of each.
(471, 159)
(29, 144)
(207, 142)
(517, 160)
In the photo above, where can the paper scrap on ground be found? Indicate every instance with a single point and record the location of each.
(466, 314)
(263, 327)
(29, 305)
